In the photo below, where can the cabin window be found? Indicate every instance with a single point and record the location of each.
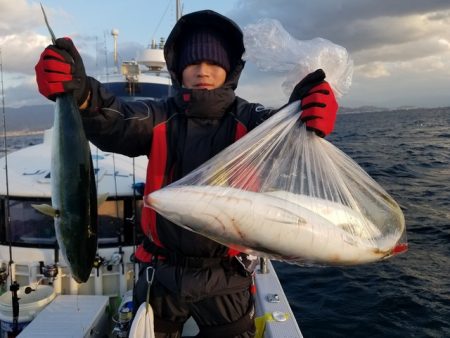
(28, 226)
(116, 220)
(31, 228)
(110, 220)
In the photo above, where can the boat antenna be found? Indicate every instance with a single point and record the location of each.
(178, 14)
(115, 35)
(14, 286)
(106, 57)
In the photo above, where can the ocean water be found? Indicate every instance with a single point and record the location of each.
(19, 141)
(408, 154)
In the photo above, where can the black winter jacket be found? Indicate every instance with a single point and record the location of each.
(127, 128)
(200, 126)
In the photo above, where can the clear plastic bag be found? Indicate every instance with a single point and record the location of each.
(281, 191)
(285, 193)
(272, 48)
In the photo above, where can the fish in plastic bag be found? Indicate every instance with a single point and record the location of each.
(281, 191)
(284, 193)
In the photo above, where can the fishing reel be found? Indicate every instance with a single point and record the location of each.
(49, 271)
(122, 322)
(115, 259)
(98, 263)
(3, 274)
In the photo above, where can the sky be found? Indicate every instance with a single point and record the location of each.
(400, 49)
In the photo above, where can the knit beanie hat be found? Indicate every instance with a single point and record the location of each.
(203, 45)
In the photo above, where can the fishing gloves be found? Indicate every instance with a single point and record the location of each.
(318, 103)
(60, 70)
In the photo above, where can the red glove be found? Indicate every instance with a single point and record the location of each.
(318, 103)
(60, 70)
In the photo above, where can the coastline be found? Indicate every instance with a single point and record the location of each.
(24, 133)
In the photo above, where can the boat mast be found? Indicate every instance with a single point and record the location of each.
(115, 34)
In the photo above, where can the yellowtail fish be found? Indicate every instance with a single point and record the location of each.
(74, 196)
(273, 226)
(337, 213)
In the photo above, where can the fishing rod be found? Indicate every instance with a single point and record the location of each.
(14, 286)
(120, 232)
(7, 209)
(133, 221)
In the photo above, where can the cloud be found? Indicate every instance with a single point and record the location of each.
(268, 91)
(392, 42)
(19, 43)
(355, 24)
(18, 15)
(397, 45)
(23, 92)
(374, 70)
(23, 37)
(20, 52)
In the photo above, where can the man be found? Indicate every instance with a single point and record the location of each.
(194, 276)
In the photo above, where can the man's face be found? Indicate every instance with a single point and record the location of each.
(203, 75)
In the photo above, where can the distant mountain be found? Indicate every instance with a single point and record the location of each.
(373, 109)
(29, 118)
(362, 109)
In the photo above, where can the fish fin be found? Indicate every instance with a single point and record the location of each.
(102, 198)
(45, 209)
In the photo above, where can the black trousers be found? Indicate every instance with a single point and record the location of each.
(218, 299)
